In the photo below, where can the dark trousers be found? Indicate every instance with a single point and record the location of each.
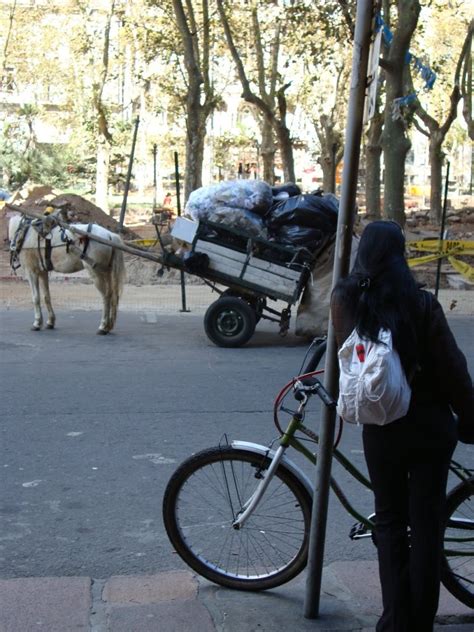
(408, 465)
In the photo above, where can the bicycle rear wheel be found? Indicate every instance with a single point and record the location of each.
(201, 501)
(458, 567)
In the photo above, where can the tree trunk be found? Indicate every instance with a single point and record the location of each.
(267, 152)
(194, 161)
(286, 153)
(102, 175)
(395, 142)
(436, 165)
(373, 152)
(195, 137)
(396, 146)
(328, 165)
(330, 141)
(196, 52)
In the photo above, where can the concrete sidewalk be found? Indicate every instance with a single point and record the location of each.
(178, 601)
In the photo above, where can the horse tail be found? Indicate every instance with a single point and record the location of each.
(117, 279)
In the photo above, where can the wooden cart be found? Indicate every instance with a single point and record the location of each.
(252, 271)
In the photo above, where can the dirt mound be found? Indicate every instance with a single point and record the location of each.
(82, 211)
(85, 212)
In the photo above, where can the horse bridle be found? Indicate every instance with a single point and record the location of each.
(42, 229)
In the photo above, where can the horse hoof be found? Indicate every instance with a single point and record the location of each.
(36, 328)
(102, 332)
(48, 326)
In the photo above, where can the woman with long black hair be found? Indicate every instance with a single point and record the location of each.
(407, 459)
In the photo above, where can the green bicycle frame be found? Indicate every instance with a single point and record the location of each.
(289, 439)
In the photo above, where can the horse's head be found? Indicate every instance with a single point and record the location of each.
(62, 211)
(45, 225)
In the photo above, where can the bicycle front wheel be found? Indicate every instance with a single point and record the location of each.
(458, 567)
(203, 498)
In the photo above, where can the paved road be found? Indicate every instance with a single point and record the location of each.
(94, 426)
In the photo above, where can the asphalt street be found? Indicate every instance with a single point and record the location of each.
(93, 428)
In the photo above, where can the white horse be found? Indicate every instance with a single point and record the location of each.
(41, 245)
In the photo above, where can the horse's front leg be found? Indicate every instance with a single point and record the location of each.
(101, 283)
(44, 283)
(33, 280)
(106, 324)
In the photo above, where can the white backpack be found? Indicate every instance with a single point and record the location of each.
(373, 388)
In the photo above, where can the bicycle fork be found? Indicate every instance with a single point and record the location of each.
(252, 502)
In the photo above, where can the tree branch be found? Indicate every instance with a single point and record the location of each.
(206, 48)
(193, 31)
(347, 16)
(454, 97)
(465, 62)
(422, 130)
(190, 61)
(336, 91)
(281, 99)
(274, 57)
(464, 52)
(105, 52)
(11, 19)
(257, 40)
(247, 93)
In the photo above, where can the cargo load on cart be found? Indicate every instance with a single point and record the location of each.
(258, 242)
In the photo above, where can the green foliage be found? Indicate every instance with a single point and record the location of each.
(23, 159)
(228, 146)
(42, 164)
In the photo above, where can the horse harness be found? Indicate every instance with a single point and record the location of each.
(44, 233)
(17, 243)
(85, 241)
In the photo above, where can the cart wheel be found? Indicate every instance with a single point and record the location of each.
(257, 303)
(229, 322)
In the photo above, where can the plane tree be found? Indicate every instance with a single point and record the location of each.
(258, 57)
(436, 121)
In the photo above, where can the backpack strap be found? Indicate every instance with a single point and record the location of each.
(422, 330)
(427, 309)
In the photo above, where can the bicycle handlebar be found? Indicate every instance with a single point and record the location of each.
(308, 386)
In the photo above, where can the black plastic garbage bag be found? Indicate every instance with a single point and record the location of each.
(299, 235)
(312, 211)
(289, 189)
(330, 199)
(196, 262)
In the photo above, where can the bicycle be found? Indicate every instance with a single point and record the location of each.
(239, 514)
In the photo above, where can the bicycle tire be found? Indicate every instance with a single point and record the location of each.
(458, 564)
(271, 547)
(316, 356)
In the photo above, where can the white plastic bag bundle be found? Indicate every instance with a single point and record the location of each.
(251, 195)
(373, 388)
(238, 218)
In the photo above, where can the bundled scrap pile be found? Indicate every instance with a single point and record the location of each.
(282, 215)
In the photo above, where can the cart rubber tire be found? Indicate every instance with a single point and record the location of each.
(230, 322)
(258, 304)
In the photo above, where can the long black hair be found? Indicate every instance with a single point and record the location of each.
(381, 291)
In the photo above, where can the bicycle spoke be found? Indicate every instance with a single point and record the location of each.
(268, 541)
(459, 546)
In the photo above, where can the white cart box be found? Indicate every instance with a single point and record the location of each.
(184, 229)
(272, 278)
